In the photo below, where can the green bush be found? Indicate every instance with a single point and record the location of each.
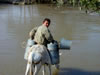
(90, 4)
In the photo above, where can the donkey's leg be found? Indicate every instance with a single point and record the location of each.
(31, 69)
(37, 68)
(27, 68)
(49, 66)
(44, 71)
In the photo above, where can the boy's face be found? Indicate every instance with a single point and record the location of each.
(46, 23)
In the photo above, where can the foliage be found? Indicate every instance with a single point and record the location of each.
(90, 4)
(93, 5)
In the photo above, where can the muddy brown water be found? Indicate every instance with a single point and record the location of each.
(84, 30)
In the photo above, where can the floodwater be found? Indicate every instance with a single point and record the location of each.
(83, 29)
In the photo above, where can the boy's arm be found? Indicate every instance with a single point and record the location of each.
(32, 33)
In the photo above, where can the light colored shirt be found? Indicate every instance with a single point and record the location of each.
(41, 35)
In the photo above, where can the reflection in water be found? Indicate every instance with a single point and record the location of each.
(70, 71)
(17, 20)
(56, 72)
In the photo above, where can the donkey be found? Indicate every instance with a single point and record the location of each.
(38, 56)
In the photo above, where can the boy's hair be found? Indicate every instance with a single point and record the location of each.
(47, 19)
